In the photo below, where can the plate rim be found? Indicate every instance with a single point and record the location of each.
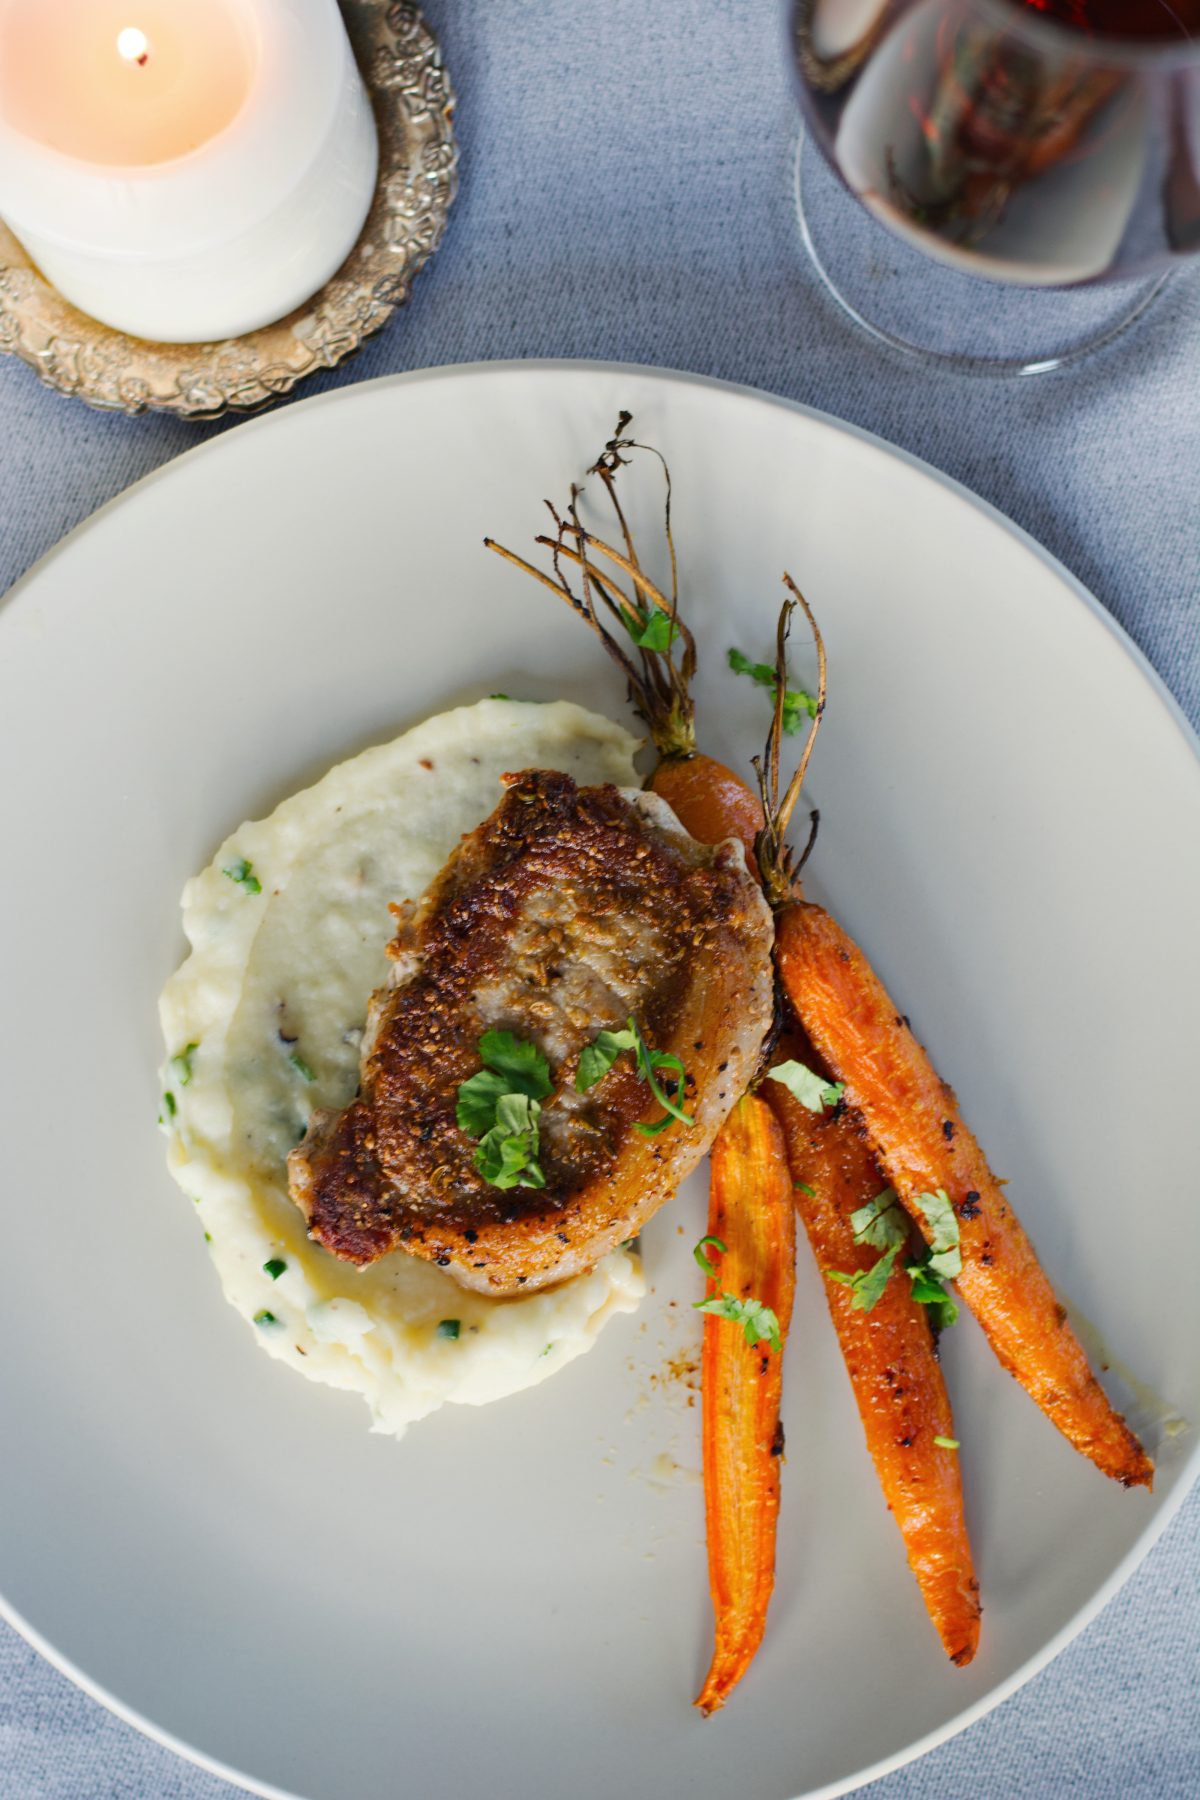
(12, 605)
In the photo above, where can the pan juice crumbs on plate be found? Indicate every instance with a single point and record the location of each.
(288, 927)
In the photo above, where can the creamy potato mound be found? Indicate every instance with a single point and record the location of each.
(288, 927)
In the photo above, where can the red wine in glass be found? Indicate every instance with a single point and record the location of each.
(1042, 142)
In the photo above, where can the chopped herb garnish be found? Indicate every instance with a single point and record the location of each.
(945, 1256)
(510, 1067)
(803, 1188)
(758, 1322)
(208, 1237)
(499, 696)
(274, 1268)
(867, 1285)
(265, 1318)
(243, 873)
(881, 1222)
(797, 704)
(500, 1106)
(449, 1328)
(303, 1069)
(944, 1443)
(598, 1057)
(702, 1259)
(651, 628)
(545, 1352)
(927, 1290)
(810, 1089)
(182, 1064)
(169, 1104)
(507, 1155)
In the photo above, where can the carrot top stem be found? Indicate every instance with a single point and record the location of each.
(779, 865)
(659, 679)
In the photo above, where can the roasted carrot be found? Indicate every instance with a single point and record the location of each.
(916, 1129)
(750, 1213)
(709, 800)
(891, 1357)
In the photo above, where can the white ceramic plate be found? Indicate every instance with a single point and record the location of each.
(514, 1600)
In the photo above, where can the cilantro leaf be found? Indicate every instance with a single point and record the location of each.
(500, 1106)
(527, 1070)
(243, 874)
(867, 1284)
(507, 1156)
(598, 1057)
(702, 1259)
(797, 703)
(651, 628)
(650, 1060)
(881, 1222)
(806, 1086)
(928, 1291)
(945, 1256)
(477, 1102)
(759, 1323)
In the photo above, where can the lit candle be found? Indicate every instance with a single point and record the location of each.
(183, 169)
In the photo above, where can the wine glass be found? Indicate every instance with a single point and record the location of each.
(998, 148)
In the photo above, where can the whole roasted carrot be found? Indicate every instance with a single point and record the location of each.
(923, 1144)
(752, 1237)
(891, 1357)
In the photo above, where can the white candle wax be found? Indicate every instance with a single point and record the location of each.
(183, 169)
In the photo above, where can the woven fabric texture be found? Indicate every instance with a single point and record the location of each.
(627, 195)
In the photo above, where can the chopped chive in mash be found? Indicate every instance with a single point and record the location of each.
(168, 1105)
(243, 873)
(274, 1268)
(265, 1318)
(208, 1237)
(182, 1064)
(449, 1328)
(303, 1069)
(546, 1351)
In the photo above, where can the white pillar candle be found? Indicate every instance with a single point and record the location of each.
(183, 170)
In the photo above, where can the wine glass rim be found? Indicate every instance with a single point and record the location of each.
(1024, 20)
(1044, 28)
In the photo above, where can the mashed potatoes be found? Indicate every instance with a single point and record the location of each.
(264, 1021)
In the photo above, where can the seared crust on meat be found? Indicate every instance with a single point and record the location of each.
(565, 912)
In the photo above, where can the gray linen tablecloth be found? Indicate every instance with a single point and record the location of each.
(627, 195)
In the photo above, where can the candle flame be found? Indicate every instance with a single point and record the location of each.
(132, 44)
